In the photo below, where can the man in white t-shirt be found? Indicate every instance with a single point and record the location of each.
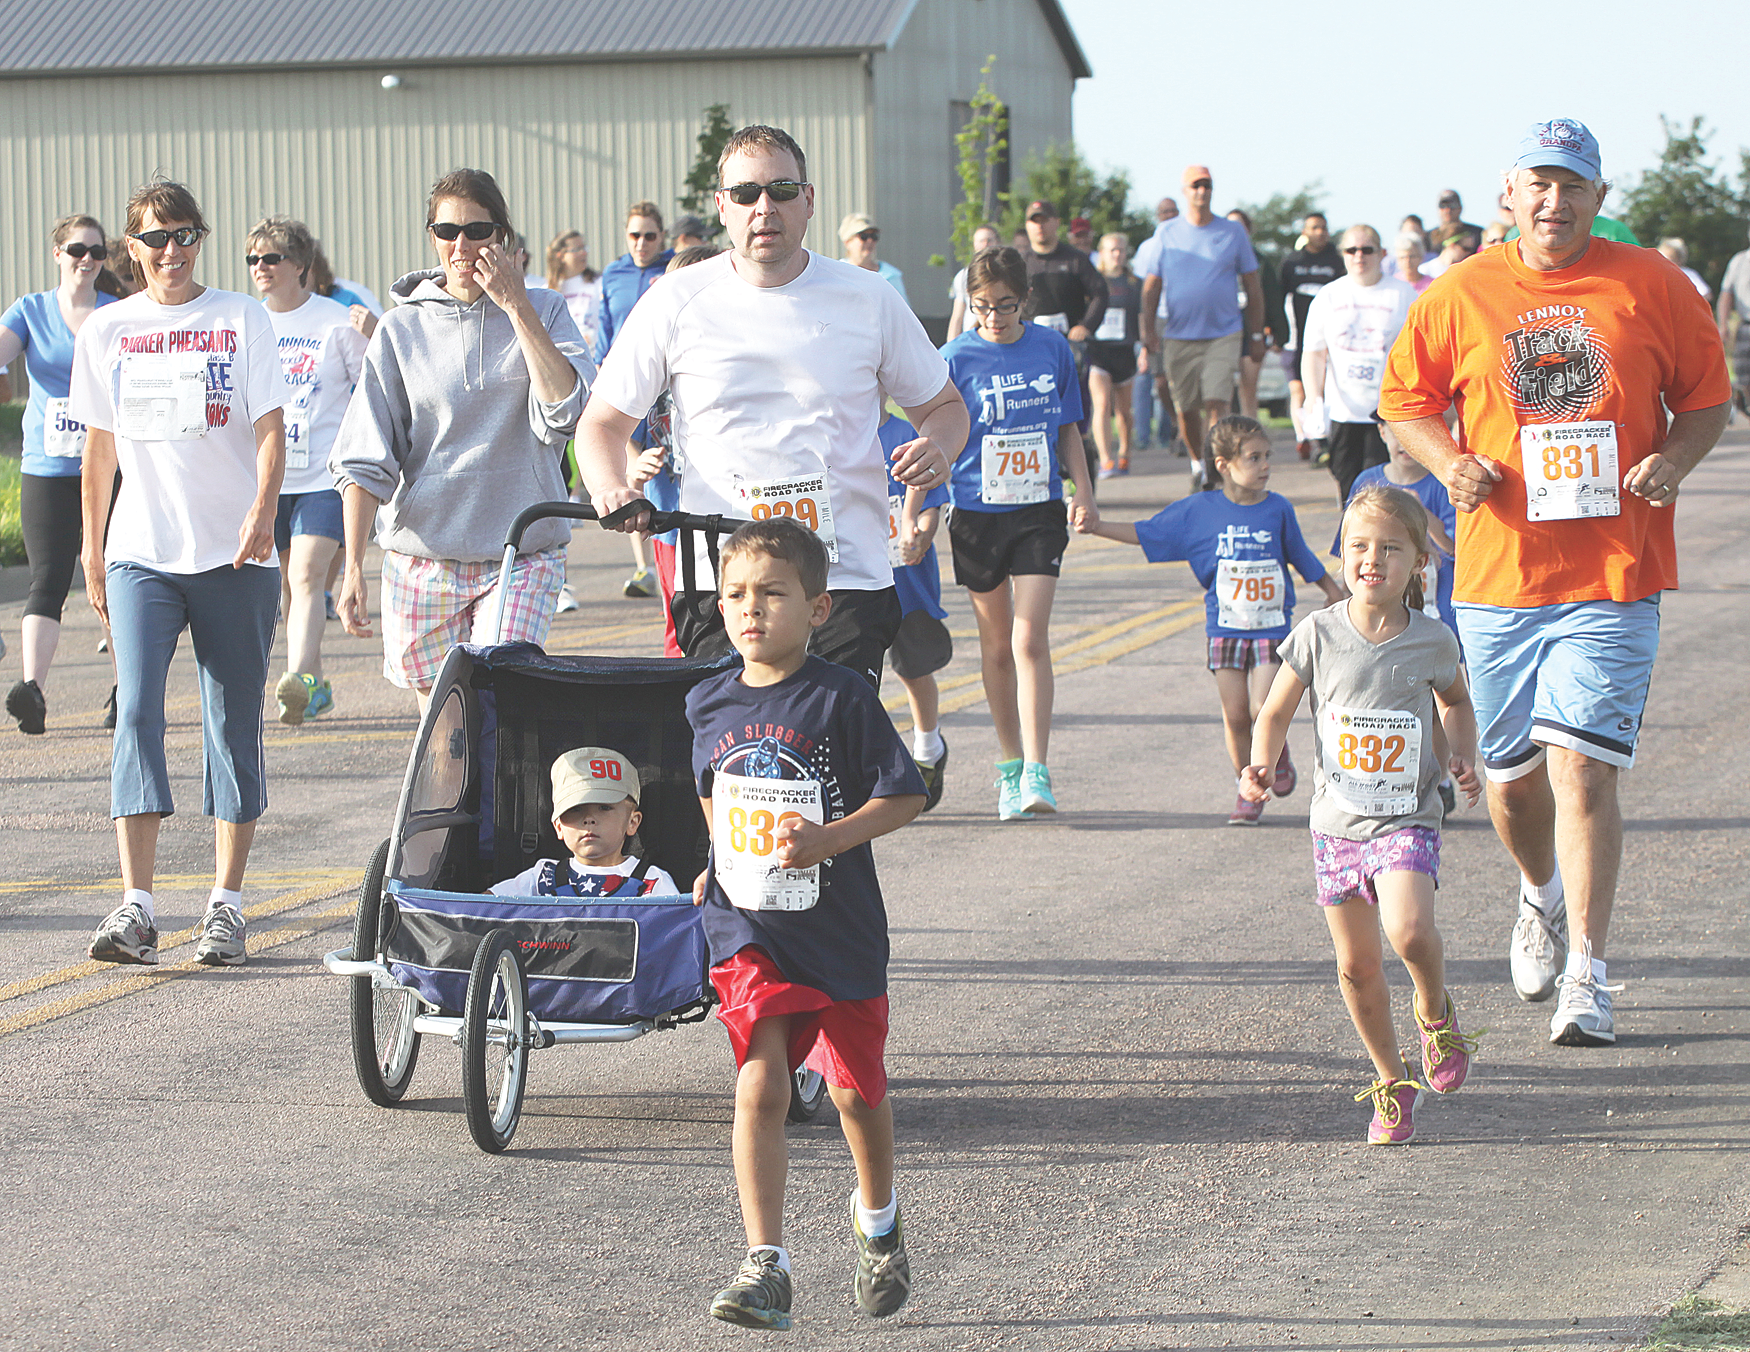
(1734, 307)
(778, 361)
(1350, 328)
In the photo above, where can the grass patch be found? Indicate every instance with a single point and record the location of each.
(1697, 1323)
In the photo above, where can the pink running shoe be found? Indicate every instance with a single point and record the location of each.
(1446, 1052)
(1394, 1111)
(1245, 813)
(1286, 779)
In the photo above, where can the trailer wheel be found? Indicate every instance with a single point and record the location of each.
(385, 1047)
(495, 1042)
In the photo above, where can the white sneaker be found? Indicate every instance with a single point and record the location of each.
(222, 932)
(1583, 1016)
(567, 602)
(126, 935)
(1538, 950)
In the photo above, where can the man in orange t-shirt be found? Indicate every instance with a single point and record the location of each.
(1561, 353)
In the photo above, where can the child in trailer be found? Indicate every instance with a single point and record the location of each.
(595, 812)
(1010, 526)
(1239, 542)
(798, 769)
(922, 647)
(1377, 669)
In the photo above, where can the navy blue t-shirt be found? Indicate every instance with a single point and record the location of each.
(919, 584)
(1021, 393)
(1208, 529)
(823, 723)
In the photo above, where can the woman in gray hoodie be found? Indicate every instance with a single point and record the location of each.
(471, 388)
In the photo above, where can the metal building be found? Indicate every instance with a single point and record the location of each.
(342, 113)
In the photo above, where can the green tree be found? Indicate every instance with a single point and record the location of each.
(701, 180)
(981, 144)
(1691, 199)
(1276, 223)
(1063, 177)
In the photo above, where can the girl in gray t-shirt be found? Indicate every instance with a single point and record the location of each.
(1377, 669)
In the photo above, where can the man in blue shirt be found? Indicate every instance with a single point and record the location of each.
(1193, 268)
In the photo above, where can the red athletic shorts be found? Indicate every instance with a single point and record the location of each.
(845, 1040)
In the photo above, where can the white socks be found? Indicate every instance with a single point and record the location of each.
(927, 747)
(873, 1223)
(138, 898)
(783, 1253)
(1581, 961)
(1543, 897)
(221, 896)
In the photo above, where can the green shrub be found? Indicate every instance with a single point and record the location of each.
(11, 526)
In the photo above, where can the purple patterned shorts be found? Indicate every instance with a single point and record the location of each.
(1346, 868)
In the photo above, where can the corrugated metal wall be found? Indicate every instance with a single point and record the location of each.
(570, 145)
(936, 62)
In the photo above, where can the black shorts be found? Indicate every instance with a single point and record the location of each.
(857, 634)
(922, 647)
(1117, 360)
(990, 547)
(1354, 447)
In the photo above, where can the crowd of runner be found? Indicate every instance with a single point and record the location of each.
(1508, 412)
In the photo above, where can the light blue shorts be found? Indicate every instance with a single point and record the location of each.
(1573, 675)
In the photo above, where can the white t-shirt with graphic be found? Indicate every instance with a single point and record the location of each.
(1355, 326)
(321, 355)
(779, 385)
(180, 387)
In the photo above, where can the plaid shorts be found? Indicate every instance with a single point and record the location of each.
(431, 605)
(1242, 654)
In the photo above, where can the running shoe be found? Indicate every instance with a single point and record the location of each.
(1448, 798)
(25, 702)
(1303, 449)
(221, 942)
(109, 710)
(1394, 1111)
(127, 934)
(1538, 950)
(103, 644)
(1123, 466)
(883, 1281)
(759, 1297)
(1009, 807)
(321, 700)
(566, 603)
(1583, 1016)
(1036, 789)
(1108, 471)
(328, 609)
(1283, 784)
(1323, 459)
(1446, 1052)
(639, 586)
(1245, 813)
(934, 777)
(292, 694)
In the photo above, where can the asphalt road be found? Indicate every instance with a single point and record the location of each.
(1122, 1072)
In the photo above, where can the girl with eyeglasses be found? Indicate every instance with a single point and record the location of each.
(179, 386)
(1010, 526)
(42, 328)
(470, 388)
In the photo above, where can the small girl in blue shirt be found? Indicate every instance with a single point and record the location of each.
(1239, 542)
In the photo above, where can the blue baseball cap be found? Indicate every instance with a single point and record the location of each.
(1563, 142)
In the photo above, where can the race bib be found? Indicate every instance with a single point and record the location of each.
(745, 816)
(895, 516)
(1057, 323)
(1111, 328)
(1430, 575)
(804, 498)
(1249, 594)
(1016, 469)
(61, 435)
(1570, 470)
(163, 397)
(1372, 759)
(297, 415)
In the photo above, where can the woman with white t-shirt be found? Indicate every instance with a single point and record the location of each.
(179, 386)
(42, 328)
(321, 355)
(569, 273)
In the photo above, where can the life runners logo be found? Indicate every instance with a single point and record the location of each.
(1555, 366)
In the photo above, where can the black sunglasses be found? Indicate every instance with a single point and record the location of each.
(97, 251)
(870, 236)
(266, 260)
(779, 190)
(188, 236)
(474, 230)
(1202, 183)
(646, 236)
(1362, 249)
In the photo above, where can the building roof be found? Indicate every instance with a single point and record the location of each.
(51, 37)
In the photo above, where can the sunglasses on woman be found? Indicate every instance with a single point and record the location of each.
(187, 236)
(779, 190)
(474, 230)
(96, 251)
(266, 260)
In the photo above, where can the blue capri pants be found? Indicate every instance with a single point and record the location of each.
(229, 614)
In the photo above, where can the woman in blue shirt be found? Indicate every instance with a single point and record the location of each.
(42, 327)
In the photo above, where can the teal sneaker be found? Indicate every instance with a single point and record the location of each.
(759, 1297)
(1036, 789)
(883, 1280)
(1009, 807)
(300, 696)
(321, 699)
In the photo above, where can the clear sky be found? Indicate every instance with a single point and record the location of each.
(1388, 104)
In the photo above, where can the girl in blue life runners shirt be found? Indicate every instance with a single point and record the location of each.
(1239, 542)
(1379, 670)
(1010, 527)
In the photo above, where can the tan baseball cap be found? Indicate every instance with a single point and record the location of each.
(592, 774)
(1193, 172)
(853, 225)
